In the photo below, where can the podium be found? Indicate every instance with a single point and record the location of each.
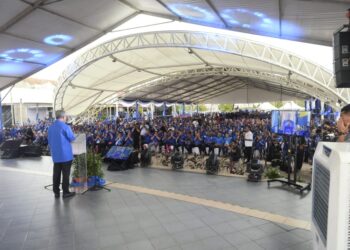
(79, 176)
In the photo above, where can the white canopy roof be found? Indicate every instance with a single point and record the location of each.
(189, 66)
(266, 106)
(291, 106)
(30, 91)
(36, 33)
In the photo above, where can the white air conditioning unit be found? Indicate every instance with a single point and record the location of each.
(331, 196)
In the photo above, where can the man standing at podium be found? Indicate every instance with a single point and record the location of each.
(344, 124)
(60, 136)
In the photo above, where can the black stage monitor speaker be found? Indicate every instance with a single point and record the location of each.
(32, 150)
(10, 149)
(341, 48)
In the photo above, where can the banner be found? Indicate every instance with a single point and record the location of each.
(119, 153)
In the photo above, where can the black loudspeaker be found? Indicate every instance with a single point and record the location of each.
(10, 149)
(341, 46)
(120, 165)
(31, 151)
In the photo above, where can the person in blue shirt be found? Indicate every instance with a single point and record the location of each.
(155, 141)
(208, 143)
(60, 137)
(129, 141)
(181, 140)
(227, 143)
(120, 139)
(188, 142)
(198, 142)
(170, 141)
(13, 133)
(233, 135)
(219, 143)
(147, 139)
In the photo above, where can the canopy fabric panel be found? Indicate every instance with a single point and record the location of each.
(44, 31)
(36, 33)
(302, 20)
(291, 106)
(192, 67)
(267, 106)
(251, 94)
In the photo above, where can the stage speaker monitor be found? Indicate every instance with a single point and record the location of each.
(31, 151)
(341, 46)
(10, 149)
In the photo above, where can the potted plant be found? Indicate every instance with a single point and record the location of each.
(94, 169)
(76, 176)
(272, 173)
(95, 173)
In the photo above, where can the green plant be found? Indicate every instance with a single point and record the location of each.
(77, 162)
(93, 164)
(226, 107)
(272, 173)
(201, 108)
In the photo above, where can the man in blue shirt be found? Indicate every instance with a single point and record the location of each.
(60, 137)
(219, 143)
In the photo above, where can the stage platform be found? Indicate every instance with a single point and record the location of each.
(149, 209)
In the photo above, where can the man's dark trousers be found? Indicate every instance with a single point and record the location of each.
(248, 153)
(64, 168)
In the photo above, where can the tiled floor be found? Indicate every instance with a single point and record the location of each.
(30, 217)
(226, 189)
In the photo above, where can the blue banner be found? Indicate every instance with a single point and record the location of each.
(136, 113)
(119, 153)
(304, 119)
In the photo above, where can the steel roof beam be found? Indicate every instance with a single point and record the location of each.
(212, 6)
(21, 15)
(226, 90)
(223, 83)
(187, 90)
(210, 90)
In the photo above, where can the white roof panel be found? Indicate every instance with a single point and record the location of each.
(38, 26)
(153, 6)
(41, 31)
(9, 9)
(99, 14)
(85, 20)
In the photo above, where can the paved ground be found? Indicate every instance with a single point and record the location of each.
(30, 217)
(227, 189)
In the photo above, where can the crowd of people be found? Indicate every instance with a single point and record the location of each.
(232, 135)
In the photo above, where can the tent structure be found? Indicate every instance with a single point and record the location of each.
(266, 106)
(291, 106)
(37, 33)
(191, 67)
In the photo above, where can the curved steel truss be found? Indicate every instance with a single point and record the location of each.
(319, 82)
(273, 79)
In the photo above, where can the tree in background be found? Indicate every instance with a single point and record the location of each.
(226, 107)
(301, 103)
(202, 108)
(277, 104)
